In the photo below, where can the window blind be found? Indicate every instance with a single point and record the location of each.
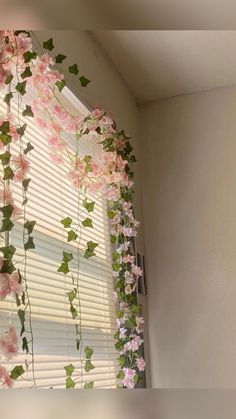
(50, 199)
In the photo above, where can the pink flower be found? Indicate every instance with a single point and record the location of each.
(128, 259)
(123, 333)
(133, 344)
(139, 324)
(128, 380)
(10, 283)
(5, 377)
(9, 343)
(4, 285)
(140, 363)
(137, 271)
(15, 284)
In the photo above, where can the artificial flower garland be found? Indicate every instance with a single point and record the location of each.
(23, 70)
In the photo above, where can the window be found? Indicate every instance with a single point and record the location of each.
(52, 198)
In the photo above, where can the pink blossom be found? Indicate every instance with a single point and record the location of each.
(4, 285)
(128, 289)
(9, 343)
(6, 195)
(133, 344)
(137, 271)
(5, 377)
(123, 333)
(15, 283)
(139, 324)
(140, 363)
(128, 380)
(9, 283)
(128, 259)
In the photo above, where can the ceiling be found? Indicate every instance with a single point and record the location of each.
(160, 64)
(122, 14)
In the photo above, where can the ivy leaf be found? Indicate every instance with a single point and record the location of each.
(88, 352)
(7, 211)
(5, 138)
(66, 222)
(21, 130)
(8, 173)
(26, 73)
(69, 369)
(59, 58)
(7, 98)
(8, 251)
(89, 206)
(74, 69)
(25, 184)
(70, 383)
(121, 360)
(71, 295)
(48, 44)
(87, 223)
(29, 147)
(29, 244)
(63, 268)
(111, 214)
(73, 311)
(88, 385)
(5, 158)
(67, 257)
(84, 81)
(25, 346)
(120, 375)
(29, 225)
(113, 238)
(28, 111)
(71, 235)
(20, 87)
(8, 79)
(5, 127)
(7, 225)
(60, 84)
(89, 252)
(21, 315)
(17, 372)
(28, 56)
(88, 366)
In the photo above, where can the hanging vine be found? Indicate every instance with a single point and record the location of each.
(111, 177)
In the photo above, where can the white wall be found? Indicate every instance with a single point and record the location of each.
(189, 186)
(108, 91)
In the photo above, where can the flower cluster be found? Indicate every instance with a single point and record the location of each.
(9, 349)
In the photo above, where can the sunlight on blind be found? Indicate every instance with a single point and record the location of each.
(51, 198)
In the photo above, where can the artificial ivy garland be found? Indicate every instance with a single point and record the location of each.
(21, 70)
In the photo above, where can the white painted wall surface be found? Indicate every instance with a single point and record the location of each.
(189, 201)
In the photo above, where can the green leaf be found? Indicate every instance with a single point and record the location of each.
(29, 244)
(48, 44)
(71, 295)
(73, 311)
(71, 235)
(7, 211)
(20, 87)
(5, 127)
(113, 238)
(28, 56)
(8, 251)
(28, 111)
(89, 252)
(73, 69)
(60, 84)
(8, 79)
(25, 346)
(25, 184)
(120, 375)
(89, 206)
(70, 383)
(88, 385)
(88, 366)
(66, 222)
(21, 315)
(8, 173)
(17, 371)
(26, 73)
(84, 81)
(67, 257)
(29, 147)
(5, 138)
(29, 225)
(59, 58)
(63, 268)
(111, 214)
(7, 225)
(5, 158)
(88, 352)
(7, 98)
(69, 369)
(21, 130)
(87, 223)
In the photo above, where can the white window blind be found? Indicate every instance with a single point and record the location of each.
(52, 198)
